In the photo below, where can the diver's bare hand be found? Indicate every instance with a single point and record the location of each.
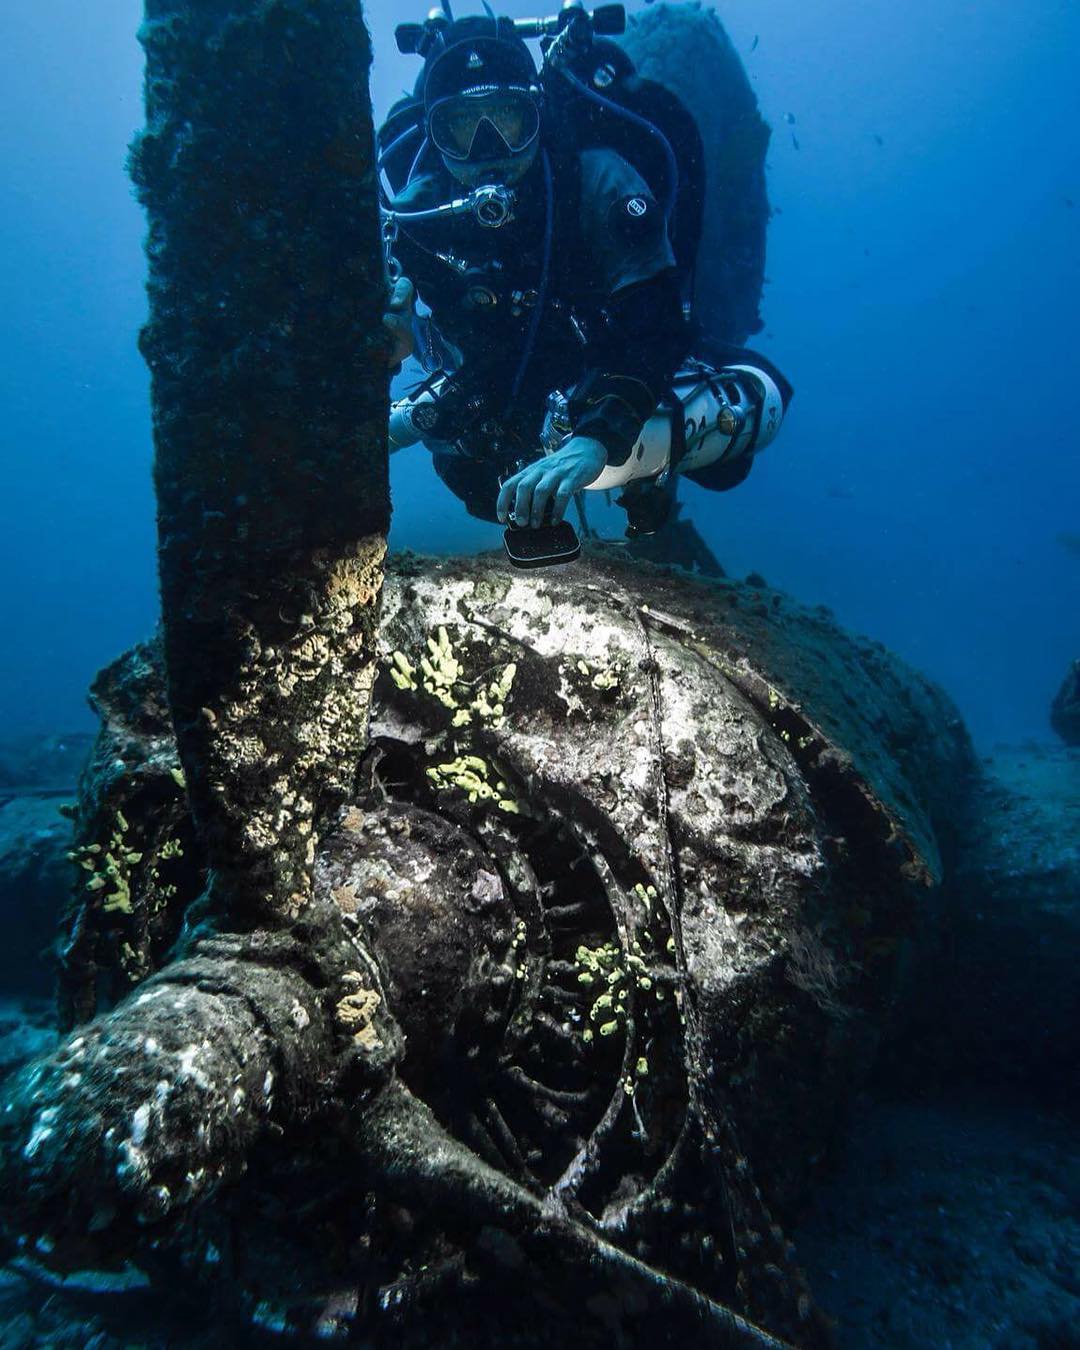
(398, 321)
(552, 480)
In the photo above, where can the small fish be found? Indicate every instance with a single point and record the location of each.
(757, 39)
(1069, 202)
(789, 118)
(794, 140)
(880, 139)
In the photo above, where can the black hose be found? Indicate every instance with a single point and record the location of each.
(641, 122)
(541, 291)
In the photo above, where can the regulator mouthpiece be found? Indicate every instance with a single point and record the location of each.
(493, 205)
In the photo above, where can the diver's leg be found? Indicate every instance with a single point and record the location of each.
(474, 481)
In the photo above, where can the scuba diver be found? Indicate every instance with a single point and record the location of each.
(548, 222)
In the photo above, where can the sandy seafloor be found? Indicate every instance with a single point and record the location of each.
(948, 1217)
(950, 1222)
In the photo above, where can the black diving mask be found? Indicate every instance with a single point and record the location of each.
(488, 122)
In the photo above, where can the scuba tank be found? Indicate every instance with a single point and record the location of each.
(412, 419)
(714, 415)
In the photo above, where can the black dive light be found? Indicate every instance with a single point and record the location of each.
(417, 39)
(542, 546)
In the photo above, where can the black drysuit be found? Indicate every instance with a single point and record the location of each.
(610, 331)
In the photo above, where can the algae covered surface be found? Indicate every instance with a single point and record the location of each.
(576, 1019)
(607, 916)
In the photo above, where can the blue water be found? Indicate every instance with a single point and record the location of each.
(924, 280)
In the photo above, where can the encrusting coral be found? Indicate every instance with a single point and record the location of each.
(588, 1019)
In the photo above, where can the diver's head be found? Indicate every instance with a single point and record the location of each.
(482, 102)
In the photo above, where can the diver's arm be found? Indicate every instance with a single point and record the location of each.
(631, 360)
(734, 410)
(643, 339)
(725, 415)
(640, 335)
(398, 322)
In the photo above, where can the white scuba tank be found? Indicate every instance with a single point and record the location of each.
(408, 416)
(726, 413)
